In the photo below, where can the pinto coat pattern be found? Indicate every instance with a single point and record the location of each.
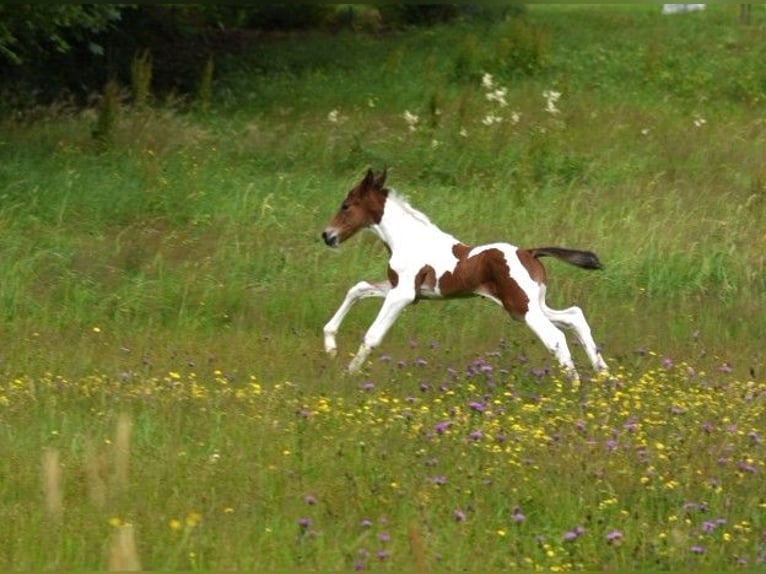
(427, 263)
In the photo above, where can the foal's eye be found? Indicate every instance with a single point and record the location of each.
(344, 207)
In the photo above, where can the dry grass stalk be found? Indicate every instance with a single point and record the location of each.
(94, 475)
(52, 484)
(416, 547)
(123, 556)
(122, 452)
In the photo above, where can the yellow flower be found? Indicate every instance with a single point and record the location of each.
(174, 524)
(193, 519)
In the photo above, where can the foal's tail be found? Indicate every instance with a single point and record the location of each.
(584, 259)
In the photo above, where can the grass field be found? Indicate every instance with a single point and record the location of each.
(164, 398)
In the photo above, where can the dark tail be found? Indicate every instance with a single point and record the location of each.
(585, 259)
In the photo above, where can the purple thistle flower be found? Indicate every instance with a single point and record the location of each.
(518, 515)
(383, 554)
(439, 480)
(365, 523)
(384, 537)
(459, 516)
(310, 499)
(442, 426)
(708, 526)
(697, 549)
(725, 368)
(613, 536)
(420, 362)
(477, 406)
(569, 536)
(475, 435)
(304, 522)
(368, 386)
(667, 362)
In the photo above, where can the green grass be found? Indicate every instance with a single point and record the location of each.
(161, 274)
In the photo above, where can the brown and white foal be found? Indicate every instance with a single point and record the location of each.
(427, 263)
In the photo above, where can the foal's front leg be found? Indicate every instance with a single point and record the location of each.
(361, 290)
(396, 300)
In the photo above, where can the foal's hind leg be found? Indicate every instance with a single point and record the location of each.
(552, 338)
(361, 290)
(573, 318)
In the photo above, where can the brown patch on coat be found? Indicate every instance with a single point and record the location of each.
(485, 273)
(532, 265)
(393, 277)
(425, 280)
(460, 250)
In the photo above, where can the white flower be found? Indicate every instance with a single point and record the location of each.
(551, 97)
(370, 102)
(463, 132)
(645, 132)
(699, 121)
(411, 119)
(491, 119)
(515, 117)
(434, 144)
(486, 81)
(498, 96)
(333, 116)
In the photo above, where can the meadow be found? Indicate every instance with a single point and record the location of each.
(165, 402)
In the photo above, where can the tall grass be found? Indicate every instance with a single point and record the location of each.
(172, 284)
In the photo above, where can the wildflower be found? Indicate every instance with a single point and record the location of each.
(304, 523)
(442, 426)
(477, 406)
(174, 524)
(365, 523)
(459, 516)
(614, 536)
(551, 97)
(697, 549)
(699, 121)
(475, 435)
(486, 81)
(333, 116)
(383, 554)
(463, 133)
(384, 537)
(310, 499)
(439, 480)
(498, 96)
(411, 119)
(517, 515)
(491, 119)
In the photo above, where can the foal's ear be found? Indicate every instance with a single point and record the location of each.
(380, 181)
(369, 180)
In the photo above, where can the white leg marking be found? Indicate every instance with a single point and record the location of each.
(396, 300)
(573, 318)
(361, 290)
(553, 339)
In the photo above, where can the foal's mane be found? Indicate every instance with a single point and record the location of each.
(402, 202)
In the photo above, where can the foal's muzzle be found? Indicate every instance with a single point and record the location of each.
(330, 238)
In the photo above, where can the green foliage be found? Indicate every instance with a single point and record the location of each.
(141, 79)
(205, 91)
(108, 112)
(30, 30)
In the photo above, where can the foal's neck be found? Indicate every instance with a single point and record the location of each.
(404, 227)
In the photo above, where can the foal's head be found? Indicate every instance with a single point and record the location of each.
(362, 207)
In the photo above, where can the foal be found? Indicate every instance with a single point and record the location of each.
(427, 263)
